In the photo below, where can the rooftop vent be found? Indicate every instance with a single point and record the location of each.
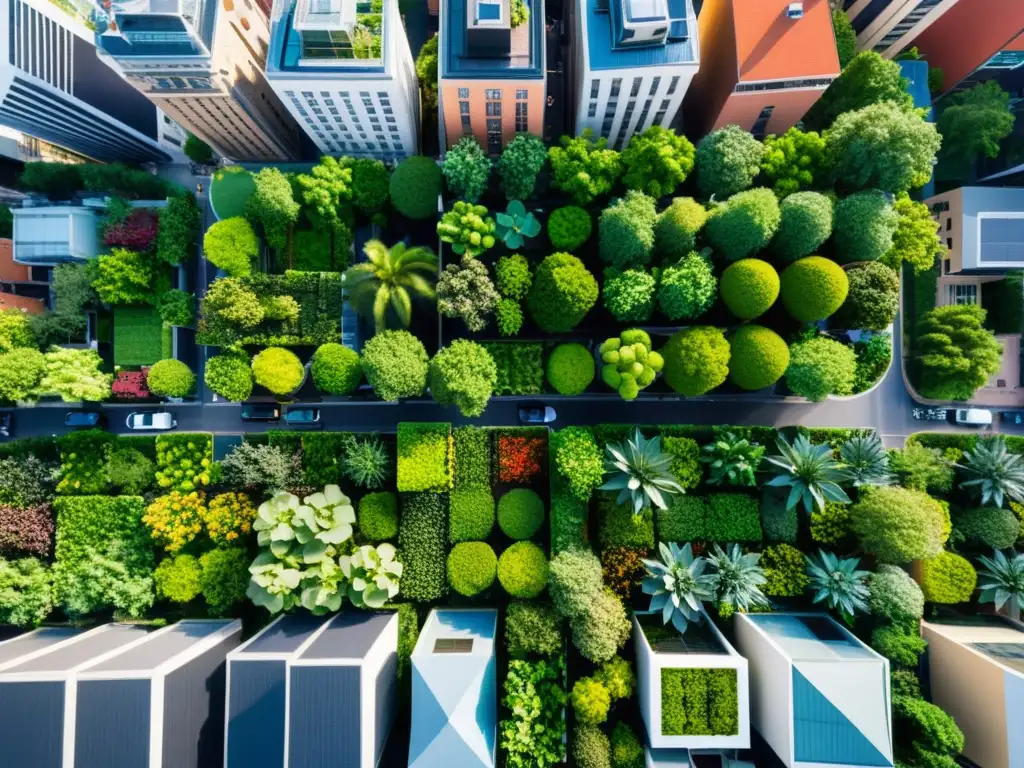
(488, 28)
(795, 10)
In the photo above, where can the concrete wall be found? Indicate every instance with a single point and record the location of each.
(950, 224)
(791, 105)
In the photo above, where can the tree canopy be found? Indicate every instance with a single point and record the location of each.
(867, 79)
(520, 162)
(273, 207)
(794, 161)
(584, 168)
(231, 245)
(326, 191)
(466, 169)
(728, 160)
(916, 240)
(657, 161)
(955, 354)
(972, 123)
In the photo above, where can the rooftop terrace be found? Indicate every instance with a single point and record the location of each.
(328, 36)
(461, 18)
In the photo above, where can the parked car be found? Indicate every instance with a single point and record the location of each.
(261, 413)
(302, 417)
(6, 423)
(83, 419)
(973, 417)
(151, 420)
(536, 413)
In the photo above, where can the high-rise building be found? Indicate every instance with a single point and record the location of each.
(888, 26)
(344, 70)
(491, 78)
(54, 87)
(634, 64)
(763, 64)
(201, 62)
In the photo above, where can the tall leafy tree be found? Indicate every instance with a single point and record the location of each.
(867, 79)
(466, 169)
(197, 150)
(382, 287)
(125, 277)
(584, 168)
(728, 160)
(179, 226)
(916, 240)
(55, 180)
(794, 161)
(426, 71)
(326, 191)
(955, 353)
(521, 161)
(972, 123)
(273, 207)
(75, 374)
(231, 245)
(846, 37)
(657, 161)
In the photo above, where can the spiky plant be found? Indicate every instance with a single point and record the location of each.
(739, 578)
(810, 472)
(1001, 581)
(383, 286)
(678, 584)
(866, 461)
(366, 462)
(732, 461)
(995, 472)
(838, 582)
(640, 471)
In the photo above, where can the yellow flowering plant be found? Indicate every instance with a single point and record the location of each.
(229, 517)
(176, 519)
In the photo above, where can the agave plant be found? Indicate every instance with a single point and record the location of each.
(866, 461)
(324, 587)
(273, 583)
(678, 584)
(310, 530)
(373, 574)
(516, 224)
(383, 285)
(1001, 581)
(995, 472)
(732, 461)
(640, 472)
(739, 577)
(810, 473)
(838, 582)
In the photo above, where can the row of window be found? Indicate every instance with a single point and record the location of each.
(494, 94)
(595, 87)
(780, 85)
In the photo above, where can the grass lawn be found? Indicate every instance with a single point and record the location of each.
(138, 336)
(231, 189)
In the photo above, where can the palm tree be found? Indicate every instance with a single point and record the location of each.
(995, 472)
(640, 472)
(678, 584)
(810, 473)
(739, 578)
(1002, 582)
(387, 278)
(866, 461)
(839, 583)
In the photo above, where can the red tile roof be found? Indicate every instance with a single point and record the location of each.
(771, 46)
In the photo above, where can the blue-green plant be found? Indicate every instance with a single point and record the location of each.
(641, 472)
(810, 472)
(678, 584)
(866, 460)
(837, 581)
(1001, 582)
(739, 578)
(995, 472)
(516, 224)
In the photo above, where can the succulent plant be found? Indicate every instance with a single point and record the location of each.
(373, 574)
(468, 228)
(629, 362)
(516, 224)
(732, 461)
(678, 584)
(866, 461)
(995, 472)
(838, 582)
(810, 473)
(641, 472)
(1001, 582)
(739, 578)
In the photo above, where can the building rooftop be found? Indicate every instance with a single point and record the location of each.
(603, 28)
(329, 36)
(165, 28)
(55, 234)
(998, 641)
(811, 637)
(475, 630)
(992, 228)
(518, 52)
(772, 46)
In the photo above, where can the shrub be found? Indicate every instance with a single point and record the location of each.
(626, 230)
(685, 460)
(833, 525)
(629, 295)
(230, 376)
(223, 578)
(932, 736)
(532, 628)
(895, 596)
(864, 227)
(687, 289)
(129, 470)
(463, 374)
(423, 461)
(26, 597)
(699, 702)
(696, 360)
(897, 525)
(532, 735)
(590, 747)
(520, 513)
(602, 629)
(422, 539)
(266, 467)
(744, 224)
(904, 682)
(523, 570)
(578, 460)
(378, 516)
(621, 528)
(758, 357)
(617, 676)
(171, 378)
(657, 161)
(277, 369)
(813, 288)
(954, 354)
(590, 700)
(570, 369)
(629, 362)
(626, 749)
(778, 520)
(728, 160)
(513, 276)
(178, 579)
(176, 519)
(575, 580)
(675, 234)
(923, 469)
(395, 364)
(414, 187)
(749, 288)
(468, 228)
(796, 159)
(819, 367)
(521, 160)
(988, 527)
(508, 315)
(471, 514)
(684, 520)
(28, 530)
(27, 481)
(472, 566)
(520, 371)
(472, 458)
(562, 293)
(873, 299)
(81, 456)
(784, 571)
(466, 169)
(231, 245)
(177, 307)
(336, 369)
(901, 646)
(805, 223)
(733, 517)
(569, 227)
(583, 167)
(623, 570)
(520, 459)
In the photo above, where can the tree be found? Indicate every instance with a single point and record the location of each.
(336, 369)
(520, 162)
(867, 79)
(232, 245)
(273, 207)
(846, 37)
(179, 225)
(72, 294)
(728, 160)
(382, 287)
(864, 223)
(675, 234)
(20, 373)
(171, 378)
(229, 309)
(897, 525)
(562, 293)
(326, 191)
(197, 150)
(883, 147)
(125, 277)
(794, 161)
(414, 187)
(916, 240)
(744, 224)
(819, 367)
(696, 360)
(626, 230)
(119, 180)
(687, 289)
(369, 185)
(629, 295)
(395, 364)
(75, 375)
(58, 181)
(657, 161)
(177, 307)
(805, 222)
(584, 168)
(426, 71)
(463, 374)
(972, 122)
(465, 291)
(873, 299)
(230, 376)
(15, 330)
(955, 353)
(466, 169)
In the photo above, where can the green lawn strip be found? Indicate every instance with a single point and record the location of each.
(138, 336)
(230, 191)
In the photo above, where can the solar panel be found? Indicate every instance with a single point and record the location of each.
(1002, 240)
(453, 645)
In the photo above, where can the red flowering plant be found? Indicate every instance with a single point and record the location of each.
(130, 385)
(137, 231)
(520, 458)
(28, 530)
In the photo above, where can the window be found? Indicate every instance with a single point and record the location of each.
(494, 108)
(465, 122)
(494, 136)
(940, 207)
(463, 107)
(616, 85)
(672, 84)
(453, 645)
(779, 85)
(949, 224)
(962, 294)
(522, 94)
(463, 93)
(949, 243)
(762, 122)
(595, 86)
(946, 266)
(635, 90)
(655, 84)
(592, 109)
(521, 117)
(493, 94)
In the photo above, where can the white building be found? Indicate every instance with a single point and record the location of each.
(347, 76)
(55, 234)
(889, 26)
(635, 65)
(54, 87)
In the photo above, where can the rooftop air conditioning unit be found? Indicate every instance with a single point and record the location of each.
(795, 10)
(644, 22)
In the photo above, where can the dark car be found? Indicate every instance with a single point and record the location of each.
(261, 413)
(536, 413)
(6, 423)
(302, 417)
(83, 419)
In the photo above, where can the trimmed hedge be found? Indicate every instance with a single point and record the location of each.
(696, 360)
(686, 465)
(414, 187)
(813, 288)
(471, 447)
(423, 541)
(758, 357)
(733, 517)
(423, 461)
(471, 514)
(684, 520)
(569, 227)
(519, 367)
(378, 516)
(749, 287)
(336, 369)
(988, 527)
(520, 513)
(278, 369)
(621, 528)
(523, 570)
(171, 378)
(532, 628)
(472, 567)
(805, 223)
(948, 579)
(562, 293)
(699, 702)
(570, 369)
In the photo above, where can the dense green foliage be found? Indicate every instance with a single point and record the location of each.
(675, 234)
(395, 364)
(749, 288)
(563, 292)
(336, 369)
(745, 224)
(819, 367)
(626, 230)
(472, 567)
(629, 294)
(687, 289)
(569, 227)
(813, 288)
(794, 161)
(657, 161)
(584, 168)
(423, 537)
(864, 227)
(463, 374)
(758, 357)
(728, 160)
(570, 368)
(954, 354)
(521, 160)
(696, 360)
(805, 223)
(415, 185)
(873, 299)
(523, 570)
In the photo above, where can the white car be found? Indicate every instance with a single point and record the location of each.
(973, 417)
(154, 420)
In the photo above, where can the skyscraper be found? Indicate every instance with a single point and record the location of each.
(201, 62)
(54, 87)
